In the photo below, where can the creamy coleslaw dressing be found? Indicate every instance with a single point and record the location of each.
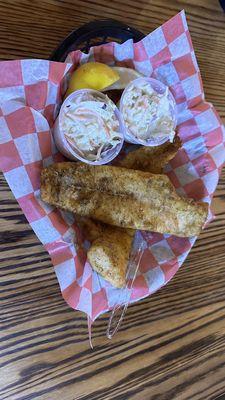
(90, 125)
(146, 112)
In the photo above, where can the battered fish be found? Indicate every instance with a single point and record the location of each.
(151, 159)
(122, 197)
(110, 246)
(109, 254)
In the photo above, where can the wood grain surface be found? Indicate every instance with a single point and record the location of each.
(171, 346)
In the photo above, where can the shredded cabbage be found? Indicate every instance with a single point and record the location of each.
(146, 112)
(90, 126)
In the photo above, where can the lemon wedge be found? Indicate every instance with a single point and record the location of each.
(126, 75)
(93, 75)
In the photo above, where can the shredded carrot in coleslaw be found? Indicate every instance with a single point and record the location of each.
(90, 126)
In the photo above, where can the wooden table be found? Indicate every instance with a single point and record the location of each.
(172, 345)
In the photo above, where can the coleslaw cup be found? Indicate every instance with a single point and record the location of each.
(153, 140)
(62, 143)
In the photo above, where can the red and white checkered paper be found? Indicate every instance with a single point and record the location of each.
(30, 94)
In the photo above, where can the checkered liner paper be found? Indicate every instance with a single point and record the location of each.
(30, 95)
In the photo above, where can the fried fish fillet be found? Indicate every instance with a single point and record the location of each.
(109, 254)
(110, 249)
(110, 246)
(108, 241)
(122, 197)
(151, 159)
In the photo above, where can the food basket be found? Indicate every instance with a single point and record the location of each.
(31, 93)
(95, 33)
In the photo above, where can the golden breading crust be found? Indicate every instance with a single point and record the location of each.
(121, 197)
(151, 159)
(110, 249)
(109, 254)
(110, 241)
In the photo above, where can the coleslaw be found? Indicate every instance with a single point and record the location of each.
(147, 113)
(90, 125)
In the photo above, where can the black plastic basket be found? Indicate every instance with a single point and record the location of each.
(95, 33)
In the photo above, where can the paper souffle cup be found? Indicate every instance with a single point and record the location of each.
(64, 147)
(159, 87)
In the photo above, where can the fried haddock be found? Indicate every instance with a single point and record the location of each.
(109, 251)
(108, 241)
(151, 159)
(122, 197)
